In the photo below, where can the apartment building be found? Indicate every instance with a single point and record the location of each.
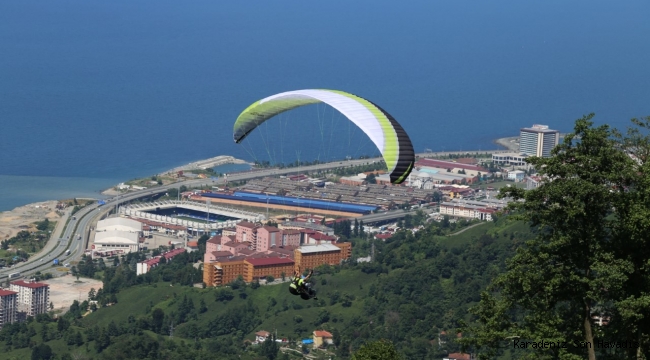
(7, 307)
(33, 298)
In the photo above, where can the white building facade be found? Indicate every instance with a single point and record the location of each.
(538, 140)
(32, 298)
(8, 301)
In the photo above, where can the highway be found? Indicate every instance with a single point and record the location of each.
(42, 261)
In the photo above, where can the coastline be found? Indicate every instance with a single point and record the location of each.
(14, 220)
(510, 143)
(195, 165)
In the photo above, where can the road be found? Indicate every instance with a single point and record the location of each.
(89, 214)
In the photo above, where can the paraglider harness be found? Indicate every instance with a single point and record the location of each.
(300, 287)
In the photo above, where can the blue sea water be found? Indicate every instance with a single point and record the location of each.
(97, 92)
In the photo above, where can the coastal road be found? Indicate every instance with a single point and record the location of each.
(91, 213)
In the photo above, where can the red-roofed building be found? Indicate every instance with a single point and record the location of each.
(246, 232)
(192, 246)
(156, 226)
(261, 336)
(234, 247)
(290, 237)
(143, 267)
(317, 238)
(214, 245)
(33, 298)
(8, 304)
(322, 337)
(383, 236)
(262, 267)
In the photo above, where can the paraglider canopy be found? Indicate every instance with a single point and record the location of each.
(386, 133)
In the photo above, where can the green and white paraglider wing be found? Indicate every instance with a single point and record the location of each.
(386, 133)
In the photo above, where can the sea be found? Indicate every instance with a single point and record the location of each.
(93, 93)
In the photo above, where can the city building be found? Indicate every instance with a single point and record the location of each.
(538, 140)
(291, 237)
(268, 237)
(8, 301)
(313, 256)
(246, 232)
(509, 159)
(119, 224)
(223, 272)
(116, 240)
(32, 298)
(481, 210)
(150, 226)
(234, 247)
(250, 269)
(258, 269)
(516, 175)
(353, 180)
(299, 225)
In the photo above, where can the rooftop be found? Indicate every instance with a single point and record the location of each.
(170, 254)
(32, 285)
(308, 249)
(322, 333)
(270, 228)
(7, 292)
(269, 261)
(246, 224)
(116, 237)
(447, 165)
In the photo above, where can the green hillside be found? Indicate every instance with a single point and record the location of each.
(419, 285)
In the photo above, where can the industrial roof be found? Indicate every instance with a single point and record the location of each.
(293, 201)
(119, 223)
(116, 237)
(447, 165)
(308, 249)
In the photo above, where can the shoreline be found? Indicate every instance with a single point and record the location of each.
(20, 211)
(194, 165)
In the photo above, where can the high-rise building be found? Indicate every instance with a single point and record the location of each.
(7, 307)
(538, 140)
(33, 298)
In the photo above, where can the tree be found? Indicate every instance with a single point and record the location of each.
(157, 318)
(377, 350)
(371, 179)
(42, 352)
(555, 283)
(43, 225)
(270, 348)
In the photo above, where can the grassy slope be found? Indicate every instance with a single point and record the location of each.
(135, 301)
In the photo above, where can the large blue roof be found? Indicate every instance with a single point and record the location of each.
(294, 201)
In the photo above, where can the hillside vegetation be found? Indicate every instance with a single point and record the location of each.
(419, 285)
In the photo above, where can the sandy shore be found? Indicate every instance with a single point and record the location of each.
(22, 217)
